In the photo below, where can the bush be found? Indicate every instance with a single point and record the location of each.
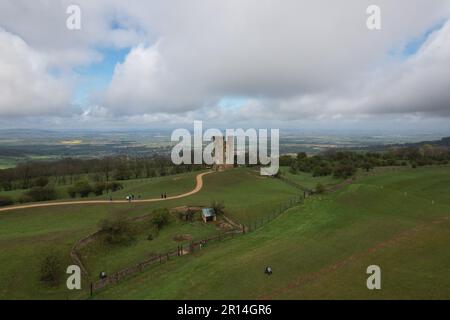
(218, 206)
(72, 192)
(118, 231)
(5, 201)
(25, 198)
(83, 188)
(344, 171)
(41, 182)
(98, 189)
(320, 188)
(51, 269)
(160, 218)
(113, 186)
(41, 193)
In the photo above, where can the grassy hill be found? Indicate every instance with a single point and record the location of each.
(146, 188)
(28, 235)
(321, 249)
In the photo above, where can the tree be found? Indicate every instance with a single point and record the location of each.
(218, 206)
(367, 165)
(320, 188)
(113, 186)
(301, 156)
(5, 201)
(83, 188)
(118, 231)
(344, 170)
(41, 193)
(41, 181)
(51, 269)
(160, 218)
(98, 188)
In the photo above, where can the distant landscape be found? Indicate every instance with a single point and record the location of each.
(335, 206)
(233, 152)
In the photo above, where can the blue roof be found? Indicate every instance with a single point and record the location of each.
(208, 212)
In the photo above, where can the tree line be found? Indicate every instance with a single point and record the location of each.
(67, 171)
(343, 164)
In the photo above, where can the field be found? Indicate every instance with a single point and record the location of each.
(320, 249)
(27, 235)
(307, 180)
(146, 188)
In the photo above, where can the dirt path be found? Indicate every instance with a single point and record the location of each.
(198, 187)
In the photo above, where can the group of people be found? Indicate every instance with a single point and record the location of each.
(131, 197)
(163, 196)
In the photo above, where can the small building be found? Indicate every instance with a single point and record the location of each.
(208, 214)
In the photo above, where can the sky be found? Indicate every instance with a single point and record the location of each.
(230, 63)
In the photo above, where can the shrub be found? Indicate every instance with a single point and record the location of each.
(83, 188)
(41, 193)
(72, 192)
(41, 181)
(5, 201)
(344, 171)
(51, 269)
(320, 188)
(117, 231)
(98, 189)
(218, 206)
(160, 218)
(25, 198)
(113, 186)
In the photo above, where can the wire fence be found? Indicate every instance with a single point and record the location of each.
(258, 223)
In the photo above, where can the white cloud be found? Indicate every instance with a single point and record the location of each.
(293, 59)
(26, 86)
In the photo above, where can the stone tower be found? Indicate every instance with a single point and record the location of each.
(224, 147)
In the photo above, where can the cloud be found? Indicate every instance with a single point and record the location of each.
(289, 60)
(293, 60)
(27, 88)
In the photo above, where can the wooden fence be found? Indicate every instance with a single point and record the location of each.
(269, 217)
(192, 246)
(182, 249)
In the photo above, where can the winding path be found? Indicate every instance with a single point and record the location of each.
(198, 187)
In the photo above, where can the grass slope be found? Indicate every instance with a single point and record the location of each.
(322, 248)
(27, 235)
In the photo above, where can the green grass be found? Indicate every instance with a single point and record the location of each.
(146, 188)
(27, 235)
(322, 248)
(307, 180)
(100, 256)
(247, 195)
